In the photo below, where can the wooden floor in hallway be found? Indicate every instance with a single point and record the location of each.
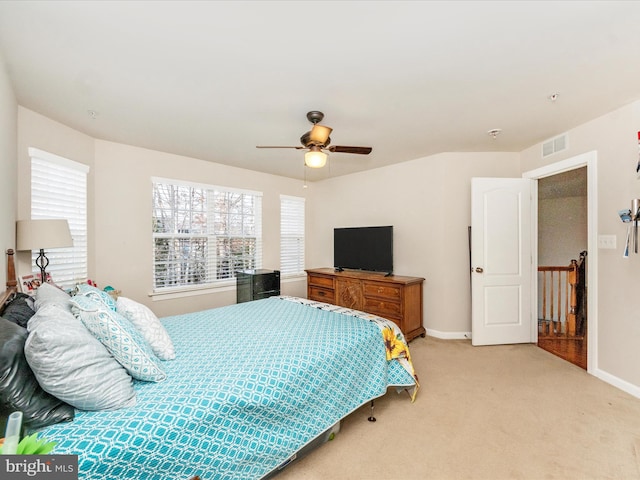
(571, 349)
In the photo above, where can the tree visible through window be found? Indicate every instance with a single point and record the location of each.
(204, 234)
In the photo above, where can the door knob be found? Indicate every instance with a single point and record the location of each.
(479, 270)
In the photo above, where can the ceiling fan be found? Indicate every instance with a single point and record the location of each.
(317, 141)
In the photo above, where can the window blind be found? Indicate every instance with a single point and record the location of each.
(204, 234)
(291, 235)
(59, 190)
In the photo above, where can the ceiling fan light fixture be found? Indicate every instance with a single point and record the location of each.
(315, 158)
(316, 142)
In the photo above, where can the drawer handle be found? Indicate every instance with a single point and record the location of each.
(321, 294)
(380, 289)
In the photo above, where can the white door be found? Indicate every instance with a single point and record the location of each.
(501, 261)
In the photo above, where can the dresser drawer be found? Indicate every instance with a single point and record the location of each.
(381, 290)
(320, 281)
(383, 308)
(320, 294)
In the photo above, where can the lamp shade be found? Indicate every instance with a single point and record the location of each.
(41, 234)
(319, 134)
(315, 158)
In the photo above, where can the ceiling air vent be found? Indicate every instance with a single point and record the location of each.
(554, 145)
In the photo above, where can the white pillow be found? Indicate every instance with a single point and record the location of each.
(120, 337)
(47, 293)
(148, 325)
(72, 365)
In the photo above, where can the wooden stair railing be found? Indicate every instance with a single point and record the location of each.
(559, 308)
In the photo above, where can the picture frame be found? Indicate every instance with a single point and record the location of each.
(29, 283)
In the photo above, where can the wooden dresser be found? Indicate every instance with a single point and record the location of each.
(394, 297)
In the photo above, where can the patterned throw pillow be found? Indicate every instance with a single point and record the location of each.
(120, 337)
(148, 325)
(97, 294)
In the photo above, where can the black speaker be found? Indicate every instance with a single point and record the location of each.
(256, 284)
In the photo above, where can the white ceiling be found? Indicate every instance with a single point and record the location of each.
(213, 79)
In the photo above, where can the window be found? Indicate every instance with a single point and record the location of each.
(59, 190)
(291, 235)
(203, 234)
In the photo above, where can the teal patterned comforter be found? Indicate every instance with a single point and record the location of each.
(252, 384)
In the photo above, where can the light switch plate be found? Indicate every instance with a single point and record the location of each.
(607, 241)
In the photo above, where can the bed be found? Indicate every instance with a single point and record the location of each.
(252, 387)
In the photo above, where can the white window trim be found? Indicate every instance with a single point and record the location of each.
(190, 291)
(206, 186)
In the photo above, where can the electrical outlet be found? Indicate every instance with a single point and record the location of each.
(607, 241)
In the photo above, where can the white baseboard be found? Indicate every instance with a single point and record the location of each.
(449, 335)
(623, 385)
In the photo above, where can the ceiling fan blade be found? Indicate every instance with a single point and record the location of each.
(278, 146)
(320, 134)
(357, 150)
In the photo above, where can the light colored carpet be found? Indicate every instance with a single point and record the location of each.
(499, 412)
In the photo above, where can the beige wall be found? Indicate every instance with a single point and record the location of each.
(119, 207)
(614, 138)
(562, 230)
(428, 202)
(123, 244)
(38, 131)
(8, 167)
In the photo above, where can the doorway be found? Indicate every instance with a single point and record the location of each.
(588, 160)
(562, 265)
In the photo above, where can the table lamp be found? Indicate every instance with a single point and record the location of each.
(41, 234)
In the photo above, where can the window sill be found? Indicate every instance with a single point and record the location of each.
(173, 293)
(293, 278)
(182, 292)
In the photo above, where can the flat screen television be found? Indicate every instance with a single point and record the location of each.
(363, 248)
